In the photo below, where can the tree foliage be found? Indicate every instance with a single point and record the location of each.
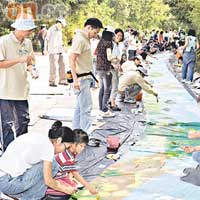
(140, 14)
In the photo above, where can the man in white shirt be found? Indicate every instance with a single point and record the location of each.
(54, 46)
(16, 54)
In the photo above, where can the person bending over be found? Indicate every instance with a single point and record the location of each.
(28, 166)
(68, 173)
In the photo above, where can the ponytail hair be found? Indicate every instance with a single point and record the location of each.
(59, 131)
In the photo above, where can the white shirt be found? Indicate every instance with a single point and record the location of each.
(94, 42)
(128, 66)
(132, 43)
(24, 152)
(54, 40)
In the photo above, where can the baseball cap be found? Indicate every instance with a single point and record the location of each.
(109, 29)
(62, 21)
(142, 70)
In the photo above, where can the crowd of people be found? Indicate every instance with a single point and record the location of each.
(119, 61)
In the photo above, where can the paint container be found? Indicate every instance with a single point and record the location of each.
(113, 144)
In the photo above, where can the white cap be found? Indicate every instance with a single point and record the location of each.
(62, 21)
(109, 29)
(24, 22)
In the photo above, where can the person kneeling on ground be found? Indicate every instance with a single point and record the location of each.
(68, 173)
(131, 84)
(192, 175)
(28, 166)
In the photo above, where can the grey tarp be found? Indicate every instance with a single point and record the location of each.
(126, 125)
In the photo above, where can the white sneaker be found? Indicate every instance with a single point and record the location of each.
(132, 101)
(4, 197)
(107, 114)
(183, 80)
(189, 82)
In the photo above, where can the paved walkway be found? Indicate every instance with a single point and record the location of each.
(149, 170)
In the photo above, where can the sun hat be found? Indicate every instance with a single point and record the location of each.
(62, 21)
(142, 70)
(24, 21)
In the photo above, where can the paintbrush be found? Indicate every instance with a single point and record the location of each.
(111, 175)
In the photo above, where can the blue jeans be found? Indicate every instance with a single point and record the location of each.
(82, 115)
(105, 89)
(134, 91)
(189, 59)
(94, 71)
(14, 119)
(196, 156)
(30, 185)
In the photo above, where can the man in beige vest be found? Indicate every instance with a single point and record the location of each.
(16, 54)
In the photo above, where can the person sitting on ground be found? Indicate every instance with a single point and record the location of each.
(133, 82)
(28, 166)
(192, 175)
(68, 173)
(179, 54)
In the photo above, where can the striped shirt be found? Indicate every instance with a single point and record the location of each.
(66, 161)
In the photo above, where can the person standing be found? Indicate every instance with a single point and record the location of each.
(16, 54)
(115, 62)
(104, 55)
(189, 56)
(41, 36)
(54, 46)
(81, 64)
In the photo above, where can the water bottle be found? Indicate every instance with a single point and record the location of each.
(34, 71)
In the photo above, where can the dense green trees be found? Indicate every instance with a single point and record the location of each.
(140, 14)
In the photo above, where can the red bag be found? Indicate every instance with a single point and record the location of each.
(113, 144)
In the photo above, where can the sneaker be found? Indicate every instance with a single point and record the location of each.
(115, 108)
(107, 114)
(52, 85)
(6, 197)
(133, 101)
(63, 83)
(188, 82)
(183, 80)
